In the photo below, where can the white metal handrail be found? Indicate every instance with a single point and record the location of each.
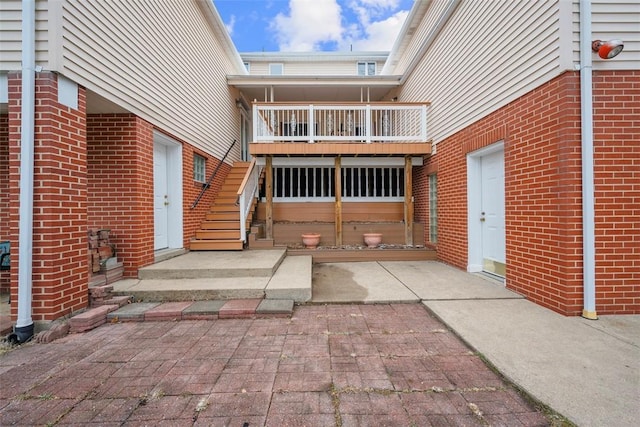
(385, 122)
(246, 193)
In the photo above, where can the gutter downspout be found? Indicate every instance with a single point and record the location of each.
(23, 330)
(588, 208)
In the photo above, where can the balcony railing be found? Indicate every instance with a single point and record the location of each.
(356, 123)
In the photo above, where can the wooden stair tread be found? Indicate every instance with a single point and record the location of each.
(220, 229)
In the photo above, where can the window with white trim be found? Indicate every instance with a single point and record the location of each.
(199, 168)
(276, 69)
(366, 68)
(433, 208)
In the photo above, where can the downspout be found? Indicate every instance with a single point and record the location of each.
(588, 208)
(23, 331)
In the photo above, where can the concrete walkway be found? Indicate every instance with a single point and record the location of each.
(587, 370)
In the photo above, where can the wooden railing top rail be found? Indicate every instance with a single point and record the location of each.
(247, 175)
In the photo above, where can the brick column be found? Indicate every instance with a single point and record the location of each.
(4, 192)
(120, 182)
(60, 273)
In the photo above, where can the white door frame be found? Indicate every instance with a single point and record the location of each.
(474, 205)
(174, 189)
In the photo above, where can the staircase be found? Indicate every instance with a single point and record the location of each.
(220, 231)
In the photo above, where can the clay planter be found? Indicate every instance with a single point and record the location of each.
(372, 240)
(310, 240)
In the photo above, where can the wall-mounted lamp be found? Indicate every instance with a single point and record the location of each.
(608, 49)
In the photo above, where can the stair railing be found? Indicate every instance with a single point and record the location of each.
(247, 192)
(206, 186)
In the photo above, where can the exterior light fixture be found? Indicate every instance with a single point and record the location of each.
(608, 49)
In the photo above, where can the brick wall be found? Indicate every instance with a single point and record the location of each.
(617, 190)
(541, 133)
(60, 273)
(120, 185)
(4, 191)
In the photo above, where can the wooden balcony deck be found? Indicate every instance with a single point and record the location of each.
(350, 129)
(320, 148)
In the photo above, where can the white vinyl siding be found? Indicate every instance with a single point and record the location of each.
(467, 80)
(312, 68)
(612, 20)
(11, 35)
(163, 61)
(490, 53)
(426, 25)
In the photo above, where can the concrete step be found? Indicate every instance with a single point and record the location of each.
(223, 264)
(292, 280)
(163, 290)
(202, 276)
(201, 310)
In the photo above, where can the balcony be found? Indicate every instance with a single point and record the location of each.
(344, 129)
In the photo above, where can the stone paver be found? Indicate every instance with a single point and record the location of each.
(203, 310)
(327, 365)
(131, 313)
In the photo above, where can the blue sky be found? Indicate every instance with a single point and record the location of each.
(313, 25)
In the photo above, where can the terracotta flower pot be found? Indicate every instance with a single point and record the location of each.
(372, 240)
(311, 240)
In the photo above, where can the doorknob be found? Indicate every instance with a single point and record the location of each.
(482, 218)
(166, 200)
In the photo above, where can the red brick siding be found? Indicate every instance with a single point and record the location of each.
(541, 133)
(120, 185)
(60, 275)
(617, 190)
(4, 191)
(194, 217)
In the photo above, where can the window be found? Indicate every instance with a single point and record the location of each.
(276, 69)
(358, 183)
(433, 208)
(366, 68)
(199, 168)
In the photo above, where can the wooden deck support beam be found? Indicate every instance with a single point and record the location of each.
(408, 201)
(338, 196)
(269, 195)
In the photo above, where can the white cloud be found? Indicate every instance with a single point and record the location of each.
(374, 25)
(309, 24)
(380, 35)
(229, 25)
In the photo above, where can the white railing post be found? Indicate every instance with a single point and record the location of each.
(312, 128)
(423, 127)
(368, 123)
(243, 221)
(256, 119)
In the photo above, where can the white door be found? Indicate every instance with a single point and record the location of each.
(492, 216)
(160, 197)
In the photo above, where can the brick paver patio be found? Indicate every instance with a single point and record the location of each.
(334, 365)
